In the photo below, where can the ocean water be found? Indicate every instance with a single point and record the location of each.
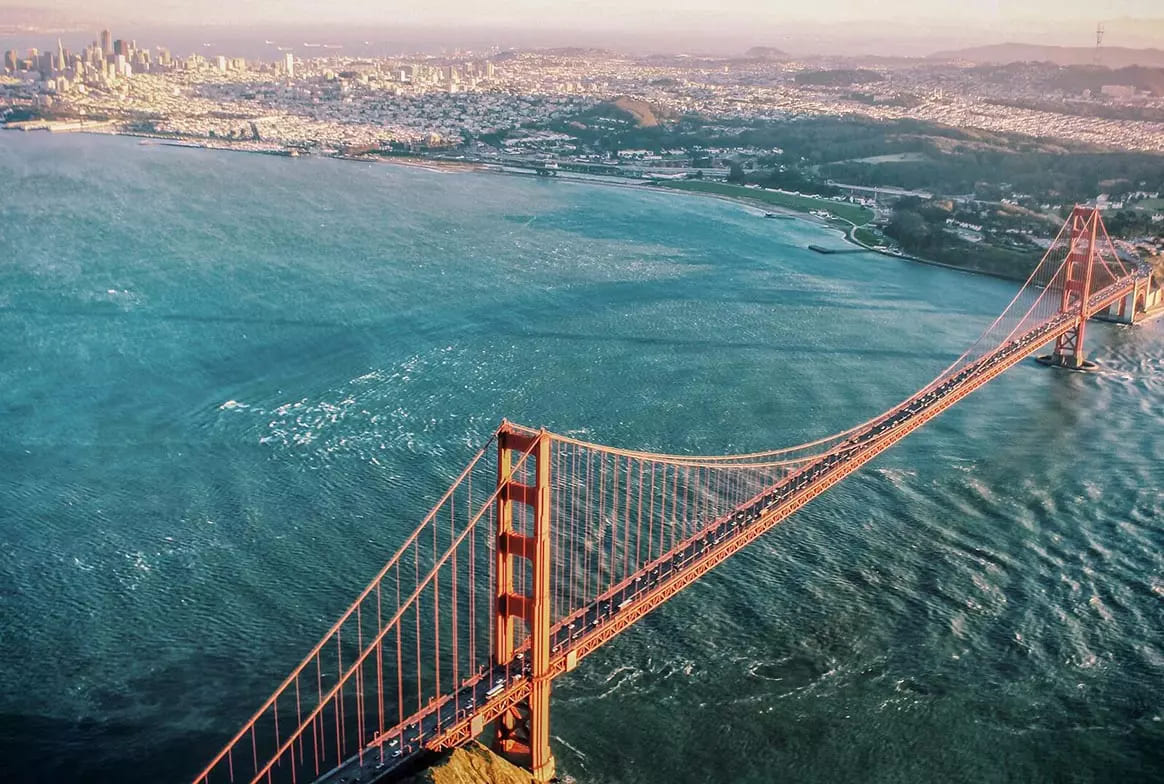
(231, 383)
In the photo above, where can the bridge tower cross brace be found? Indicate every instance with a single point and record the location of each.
(522, 733)
(1077, 285)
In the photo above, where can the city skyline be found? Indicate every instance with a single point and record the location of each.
(331, 95)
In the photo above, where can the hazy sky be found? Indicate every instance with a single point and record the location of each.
(729, 14)
(838, 27)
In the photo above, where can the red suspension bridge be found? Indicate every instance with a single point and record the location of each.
(545, 548)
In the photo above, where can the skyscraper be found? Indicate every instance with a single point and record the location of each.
(289, 62)
(106, 43)
(10, 60)
(61, 64)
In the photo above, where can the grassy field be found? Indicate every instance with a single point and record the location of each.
(867, 237)
(1151, 205)
(850, 212)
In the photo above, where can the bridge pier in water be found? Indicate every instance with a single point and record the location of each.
(1138, 303)
(522, 732)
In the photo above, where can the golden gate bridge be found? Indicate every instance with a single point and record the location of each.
(546, 547)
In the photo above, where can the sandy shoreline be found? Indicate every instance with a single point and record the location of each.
(416, 162)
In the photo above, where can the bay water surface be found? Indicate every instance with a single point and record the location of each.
(231, 384)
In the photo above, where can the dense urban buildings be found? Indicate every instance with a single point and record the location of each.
(928, 128)
(333, 101)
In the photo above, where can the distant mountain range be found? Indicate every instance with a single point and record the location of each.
(1110, 56)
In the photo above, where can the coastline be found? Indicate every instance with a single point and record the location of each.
(444, 166)
(760, 207)
(415, 162)
(441, 165)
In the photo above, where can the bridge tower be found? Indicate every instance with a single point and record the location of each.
(1084, 227)
(522, 733)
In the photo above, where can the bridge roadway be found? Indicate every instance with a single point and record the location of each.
(457, 719)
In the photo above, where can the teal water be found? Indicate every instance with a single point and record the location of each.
(231, 383)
